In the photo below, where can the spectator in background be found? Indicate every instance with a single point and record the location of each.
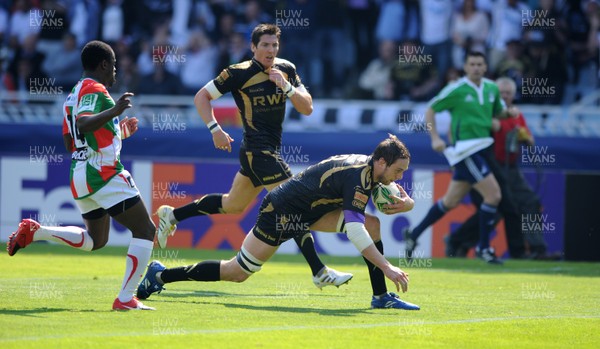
(226, 29)
(507, 25)
(469, 32)
(436, 16)
(200, 64)
(203, 18)
(128, 78)
(27, 64)
(391, 21)
(84, 19)
(299, 40)
(237, 51)
(113, 23)
(331, 57)
(583, 23)
(160, 82)
(550, 64)
(362, 15)
(160, 49)
(414, 77)
(154, 13)
(515, 65)
(252, 16)
(64, 64)
(53, 17)
(3, 25)
(375, 81)
(20, 27)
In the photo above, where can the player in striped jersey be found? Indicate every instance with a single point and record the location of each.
(100, 185)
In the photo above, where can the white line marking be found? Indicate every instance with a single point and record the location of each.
(296, 328)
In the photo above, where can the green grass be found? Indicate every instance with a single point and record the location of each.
(53, 297)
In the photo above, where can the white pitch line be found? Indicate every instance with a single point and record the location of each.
(296, 328)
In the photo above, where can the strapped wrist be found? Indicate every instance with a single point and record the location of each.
(213, 126)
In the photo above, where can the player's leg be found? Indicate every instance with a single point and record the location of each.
(242, 192)
(249, 260)
(273, 165)
(455, 193)
(132, 214)
(96, 221)
(490, 191)
(334, 222)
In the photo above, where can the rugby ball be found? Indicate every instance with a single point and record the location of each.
(382, 194)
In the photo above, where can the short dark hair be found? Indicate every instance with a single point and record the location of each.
(475, 54)
(391, 149)
(262, 29)
(93, 53)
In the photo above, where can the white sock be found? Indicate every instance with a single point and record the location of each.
(70, 236)
(138, 256)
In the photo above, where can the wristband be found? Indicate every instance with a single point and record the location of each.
(290, 92)
(213, 126)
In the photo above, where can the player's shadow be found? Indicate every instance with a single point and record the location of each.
(299, 310)
(35, 312)
(201, 293)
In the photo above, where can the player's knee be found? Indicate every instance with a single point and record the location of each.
(146, 233)
(449, 203)
(240, 276)
(493, 198)
(230, 205)
(374, 227)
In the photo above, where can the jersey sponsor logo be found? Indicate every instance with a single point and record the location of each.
(225, 74)
(361, 197)
(80, 155)
(359, 204)
(276, 98)
(469, 98)
(491, 97)
(87, 103)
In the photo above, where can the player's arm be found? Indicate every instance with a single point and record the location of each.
(301, 99)
(87, 122)
(68, 142)
(437, 143)
(221, 139)
(359, 236)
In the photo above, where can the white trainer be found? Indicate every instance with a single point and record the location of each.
(165, 228)
(331, 277)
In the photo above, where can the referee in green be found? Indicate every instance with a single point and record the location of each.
(472, 101)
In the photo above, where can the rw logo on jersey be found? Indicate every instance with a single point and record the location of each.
(276, 98)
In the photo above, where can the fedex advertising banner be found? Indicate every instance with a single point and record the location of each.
(37, 187)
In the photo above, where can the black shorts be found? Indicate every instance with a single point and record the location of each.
(274, 227)
(263, 167)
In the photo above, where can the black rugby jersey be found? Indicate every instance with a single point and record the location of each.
(341, 181)
(260, 102)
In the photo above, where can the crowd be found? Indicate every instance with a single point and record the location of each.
(364, 49)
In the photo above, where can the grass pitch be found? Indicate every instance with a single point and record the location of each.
(55, 297)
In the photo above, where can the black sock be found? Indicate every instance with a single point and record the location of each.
(203, 271)
(376, 275)
(208, 204)
(307, 247)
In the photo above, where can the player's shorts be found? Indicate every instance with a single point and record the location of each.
(114, 197)
(274, 228)
(263, 167)
(472, 169)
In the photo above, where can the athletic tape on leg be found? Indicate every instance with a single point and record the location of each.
(248, 262)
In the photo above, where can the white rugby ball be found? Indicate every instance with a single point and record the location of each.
(381, 194)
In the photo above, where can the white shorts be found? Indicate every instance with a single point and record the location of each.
(120, 188)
